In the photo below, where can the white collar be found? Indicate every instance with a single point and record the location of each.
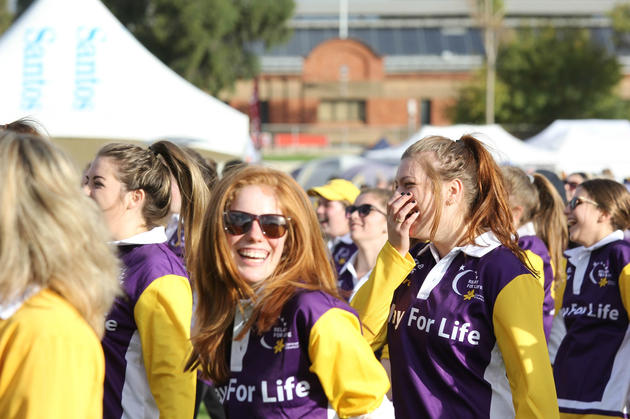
(526, 229)
(9, 308)
(345, 239)
(484, 244)
(581, 250)
(349, 265)
(155, 235)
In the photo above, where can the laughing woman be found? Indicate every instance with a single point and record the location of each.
(269, 329)
(463, 341)
(595, 305)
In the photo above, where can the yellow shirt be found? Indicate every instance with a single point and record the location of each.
(51, 362)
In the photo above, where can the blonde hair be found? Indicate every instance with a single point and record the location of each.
(304, 265)
(51, 234)
(613, 198)
(150, 169)
(542, 205)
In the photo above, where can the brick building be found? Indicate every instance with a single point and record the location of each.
(388, 68)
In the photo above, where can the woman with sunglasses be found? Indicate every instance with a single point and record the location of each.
(463, 341)
(147, 334)
(368, 230)
(591, 364)
(270, 332)
(538, 216)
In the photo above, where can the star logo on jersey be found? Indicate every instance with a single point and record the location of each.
(342, 261)
(279, 346)
(599, 274)
(603, 282)
(469, 295)
(468, 285)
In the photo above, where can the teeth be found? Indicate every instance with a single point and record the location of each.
(253, 253)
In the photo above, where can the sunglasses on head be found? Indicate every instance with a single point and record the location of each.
(577, 200)
(364, 210)
(273, 226)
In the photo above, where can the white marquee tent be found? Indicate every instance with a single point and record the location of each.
(505, 148)
(73, 67)
(588, 145)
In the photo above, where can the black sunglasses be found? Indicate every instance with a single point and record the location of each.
(273, 226)
(364, 210)
(577, 200)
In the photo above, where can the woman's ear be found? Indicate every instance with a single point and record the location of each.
(135, 198)
(454, 192)
(604, 217)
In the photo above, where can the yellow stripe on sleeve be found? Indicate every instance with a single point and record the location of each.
(163, 314)
(373, 299)
(352, 378)
(518, 327)
(624, 286)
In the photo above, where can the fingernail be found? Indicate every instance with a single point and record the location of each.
(408, 193)
(402, 193)
(413, 202)
(416, 211)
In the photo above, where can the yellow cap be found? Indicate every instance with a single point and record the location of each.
(336, 190)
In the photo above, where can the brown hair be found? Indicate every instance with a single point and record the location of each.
(484, 193)
(51, 234)
(613, 198)
(382, 194)
(304, 265)
(150, 170)
(542, 205)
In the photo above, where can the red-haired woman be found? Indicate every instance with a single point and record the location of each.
(270, 331)
(463, 340)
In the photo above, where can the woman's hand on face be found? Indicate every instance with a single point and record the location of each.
(401, 214)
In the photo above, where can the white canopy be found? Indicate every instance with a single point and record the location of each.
(73, 67)
(505, 148)
(588, 145)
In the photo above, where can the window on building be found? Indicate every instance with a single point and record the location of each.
(341, 111)
(425, 112)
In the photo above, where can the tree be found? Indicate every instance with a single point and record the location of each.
(489, 15)
(5, 16)
(545, 75)
(209, 42)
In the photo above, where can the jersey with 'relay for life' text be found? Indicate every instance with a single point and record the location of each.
(458, 328)
(315, 348)
(595, 312)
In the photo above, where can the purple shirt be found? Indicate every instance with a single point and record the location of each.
(591, 366)
(273, 378)
(142, 264)
(442, 349)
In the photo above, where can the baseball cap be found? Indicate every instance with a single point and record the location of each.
(336, 190)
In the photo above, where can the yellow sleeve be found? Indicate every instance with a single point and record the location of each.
(374, 298)
(50, 368)
(518, 326)
(624, 287)
(352, 378)
(163, 314)
(536, 265)
(559, 285)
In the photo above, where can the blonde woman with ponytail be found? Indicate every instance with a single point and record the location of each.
(463, 342)
(148, 330)
(57, 284)
(538, 216)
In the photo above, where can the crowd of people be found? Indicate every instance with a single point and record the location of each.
(151, 283)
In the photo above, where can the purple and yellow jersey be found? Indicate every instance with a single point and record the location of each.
(465, 332)
(540, 262)
(311, 363)
(591, 364)
(147, 337)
